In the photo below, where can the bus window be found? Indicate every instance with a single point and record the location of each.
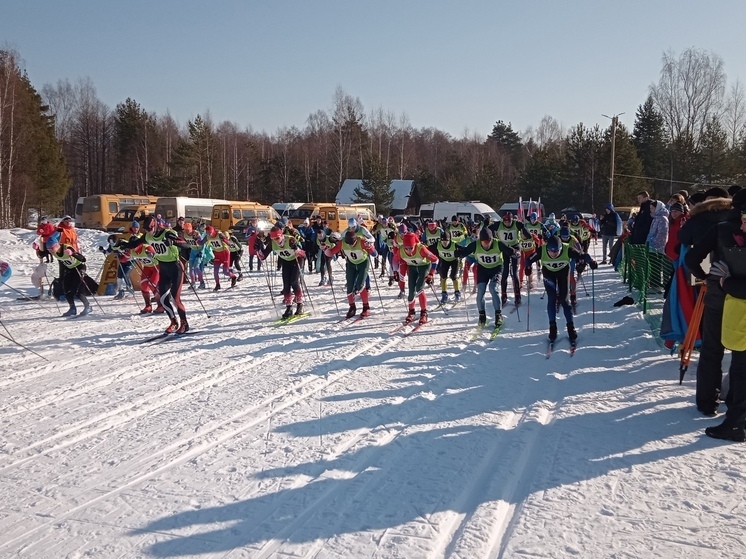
(113, 207)
(331, 216)
(342, 215)
(236, 214)
(225, 214)
(215, 214)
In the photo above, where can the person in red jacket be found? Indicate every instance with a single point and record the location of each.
(676, 219)
(420, 264)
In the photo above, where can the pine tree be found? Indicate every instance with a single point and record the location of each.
(649, 138)
(376, 187)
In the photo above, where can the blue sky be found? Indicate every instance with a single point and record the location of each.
(451, 65)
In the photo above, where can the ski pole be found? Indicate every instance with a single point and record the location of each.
(269, 286)
(528, 304)
(23, 346)
(334, 297)
(88, 289)
(375, 280)
(304, 287)
(435, 294)
(593, 299)
(580, 276)
(128, 282)
(56, 302)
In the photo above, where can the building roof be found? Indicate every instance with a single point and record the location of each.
(402, 192)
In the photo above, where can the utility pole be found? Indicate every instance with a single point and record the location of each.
(614, 121)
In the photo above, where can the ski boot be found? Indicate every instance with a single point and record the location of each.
(234, 279)
(119, 295)
(298, 309)
(457, 296)
(423, 316)
(391, 281)
(86, 310)
(217, 287)
(173, 326)
(352, 310)
(147, 309)
(410, 317)
(444, 298)
(183, 327)
(159, 309)
(498, 319)
(517, 299)
(322, 282)
(70, 312)
(727, 432)
(401, 295)
(571, 332)
(482, 318)
(202, 285)
(552, 331)
(288, 312)
(366, 311)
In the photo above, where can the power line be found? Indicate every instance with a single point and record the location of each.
(666, 180)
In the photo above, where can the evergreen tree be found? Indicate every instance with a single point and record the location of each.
(714, 164)
(649, 138)
(376, 187)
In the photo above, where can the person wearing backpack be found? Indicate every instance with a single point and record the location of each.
(73, 265)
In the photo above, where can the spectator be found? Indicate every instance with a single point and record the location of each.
(610, 226)
(676, 219)
(641, 226)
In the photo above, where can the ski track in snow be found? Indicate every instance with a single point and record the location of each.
(325, 439)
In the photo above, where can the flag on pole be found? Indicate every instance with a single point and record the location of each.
(520, 209)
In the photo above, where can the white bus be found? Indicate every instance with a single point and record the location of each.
(465, 211)
(191, 209)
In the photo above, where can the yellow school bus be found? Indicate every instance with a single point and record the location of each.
(100, 209)
(335, 215)
(228, 216)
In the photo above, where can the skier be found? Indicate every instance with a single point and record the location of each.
(555, 259)
(431, 235)
(419, 264)
(218, 241)
(165, 245)
(508, 232)
(148, 277)
(73, 265)
(357, 250)
(448, 264)
(488, 253)
(197, 259)
(234, 246)
(290, 258)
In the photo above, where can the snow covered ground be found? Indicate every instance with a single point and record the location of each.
(315, 440)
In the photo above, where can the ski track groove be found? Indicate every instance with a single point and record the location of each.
(195, 449)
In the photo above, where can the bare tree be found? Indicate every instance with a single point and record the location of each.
(548, 132)
(735, 113)
(689, 92)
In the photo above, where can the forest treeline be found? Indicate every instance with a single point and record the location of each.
(61, 142)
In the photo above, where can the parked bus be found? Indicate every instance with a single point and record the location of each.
(466, 211)
(100, 209)
(79, 211)
(335, 215)
(127, 215)
(191, 209)
(227, 217)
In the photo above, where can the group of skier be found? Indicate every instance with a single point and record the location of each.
(489, 253)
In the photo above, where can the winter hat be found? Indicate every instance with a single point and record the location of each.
(610, 207)
(564, 232)
(210, 230)
(551, 216)
(732, 189)
(352, 222)
(53, 240)
(135, 225)
(716, 192)
(410, 240)
(533, 215)
(454, 218)
(350, 237)
(554, 244)
(485, 234)
(677, 207)
(697, 198)
(739, 200)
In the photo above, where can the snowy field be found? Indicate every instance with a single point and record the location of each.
(317, 440)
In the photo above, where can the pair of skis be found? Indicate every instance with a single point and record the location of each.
(166, 336)
(290, 319)
(551, 344)
(482, 327)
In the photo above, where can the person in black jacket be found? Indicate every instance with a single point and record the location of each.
(701, 231)
(727, 245)
(643, 219)
(609, 225)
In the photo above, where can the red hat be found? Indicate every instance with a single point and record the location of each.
(410, 240)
